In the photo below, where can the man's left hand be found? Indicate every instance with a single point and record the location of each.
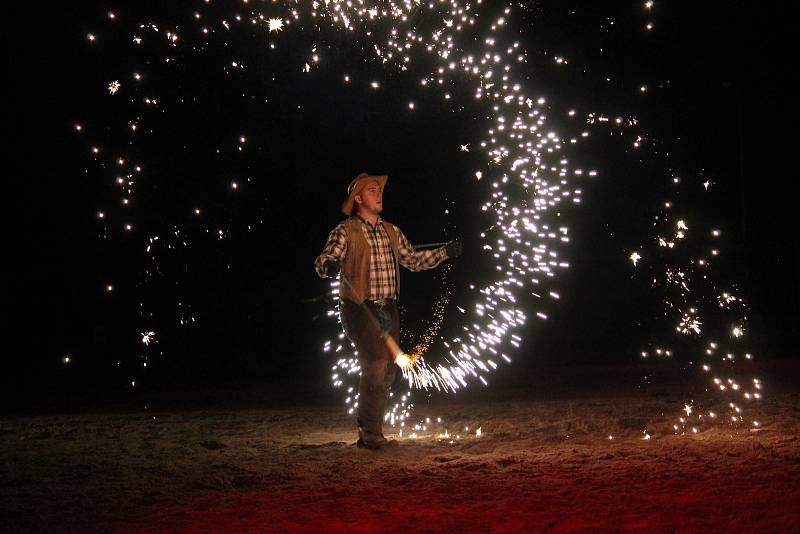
(331, 268)
(454, 248)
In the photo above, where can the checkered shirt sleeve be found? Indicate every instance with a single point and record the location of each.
(334, 249)
(418, 260)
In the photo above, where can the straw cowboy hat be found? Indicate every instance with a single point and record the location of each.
(357, 185)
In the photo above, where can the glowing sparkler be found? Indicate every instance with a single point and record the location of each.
(404, 361)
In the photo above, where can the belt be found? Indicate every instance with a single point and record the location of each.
(381, 302)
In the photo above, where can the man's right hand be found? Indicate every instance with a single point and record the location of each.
(454, 248)
(331, 268)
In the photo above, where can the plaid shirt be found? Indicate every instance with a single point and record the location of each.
(382, 274)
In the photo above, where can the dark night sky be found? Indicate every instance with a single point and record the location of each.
(719, 99)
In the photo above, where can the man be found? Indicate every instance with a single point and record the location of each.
(369, 250)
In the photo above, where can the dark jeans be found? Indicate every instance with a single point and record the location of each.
(377, 364)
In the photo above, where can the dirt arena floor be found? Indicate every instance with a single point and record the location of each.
(560, 450)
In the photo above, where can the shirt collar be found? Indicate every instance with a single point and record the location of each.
(364, 221)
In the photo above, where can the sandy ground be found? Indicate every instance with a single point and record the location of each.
(255, 462)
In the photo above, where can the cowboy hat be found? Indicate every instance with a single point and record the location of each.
(357, 185)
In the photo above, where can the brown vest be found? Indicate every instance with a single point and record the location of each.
(356, 260)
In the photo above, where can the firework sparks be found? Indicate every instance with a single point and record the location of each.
(524, 165)
(523, 243)
(690, 292)
(689, 323)
(148, 337)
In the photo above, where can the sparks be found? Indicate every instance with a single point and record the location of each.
(525, 169)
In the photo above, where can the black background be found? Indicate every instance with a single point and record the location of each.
(718, 107)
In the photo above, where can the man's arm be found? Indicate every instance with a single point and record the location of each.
(418, 260)
(333, 252)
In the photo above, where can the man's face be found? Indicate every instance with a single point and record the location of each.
(371, 198)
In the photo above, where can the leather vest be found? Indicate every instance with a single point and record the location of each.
(355, 265)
